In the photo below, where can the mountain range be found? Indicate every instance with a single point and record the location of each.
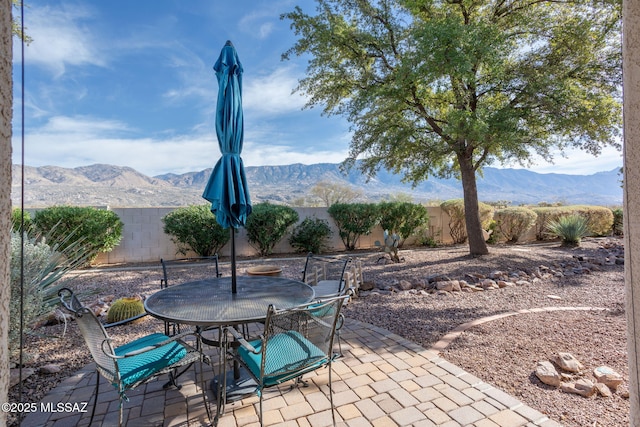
(119, 186)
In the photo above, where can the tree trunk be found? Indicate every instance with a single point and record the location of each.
(477, 245)
(6, 97)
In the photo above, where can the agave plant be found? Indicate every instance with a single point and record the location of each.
(36, 272)
(570, 229)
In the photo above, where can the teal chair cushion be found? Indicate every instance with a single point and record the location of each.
(288, 352)
(135, 368)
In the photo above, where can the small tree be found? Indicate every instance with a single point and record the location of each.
(354, 220)
(100, 230)
(267, 224)
(310, 235)
(195, 228)
(331, 193)
(403, 218)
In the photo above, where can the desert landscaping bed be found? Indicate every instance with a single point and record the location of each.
(410, 299)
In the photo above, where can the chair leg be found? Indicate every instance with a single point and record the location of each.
(333, 414)
(95, 397)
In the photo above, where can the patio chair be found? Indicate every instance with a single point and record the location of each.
(294, 342)
(165, 282)
(326, 274)
(134, 363)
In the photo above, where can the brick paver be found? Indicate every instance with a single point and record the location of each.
(382, 380)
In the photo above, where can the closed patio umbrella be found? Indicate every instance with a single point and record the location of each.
(227, 188)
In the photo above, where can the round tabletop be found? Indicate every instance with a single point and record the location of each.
(210, 302)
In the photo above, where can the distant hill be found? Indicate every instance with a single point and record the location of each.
(99, 185)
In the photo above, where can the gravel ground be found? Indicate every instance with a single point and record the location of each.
(502, 352)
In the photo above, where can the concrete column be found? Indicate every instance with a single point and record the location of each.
(631, 72)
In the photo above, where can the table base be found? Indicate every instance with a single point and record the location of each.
(236, 389)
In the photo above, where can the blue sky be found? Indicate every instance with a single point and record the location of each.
(131, 83)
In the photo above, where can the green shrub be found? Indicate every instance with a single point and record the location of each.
(310, 235)
(514, 222)
(599, 219)
(570, 229)
(618, 224)
(403, 218)
(43, 267)
(195, 228)
(267, 224)
(17, 220)
(457, 225)
(354, 220)
(99, 230)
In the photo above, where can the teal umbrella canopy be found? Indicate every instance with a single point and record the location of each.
(227, 188)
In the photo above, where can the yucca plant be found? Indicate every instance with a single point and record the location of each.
(570, 229)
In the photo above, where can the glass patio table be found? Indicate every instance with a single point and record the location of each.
(210, 303)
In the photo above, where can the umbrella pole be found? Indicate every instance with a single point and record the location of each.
(234, 289)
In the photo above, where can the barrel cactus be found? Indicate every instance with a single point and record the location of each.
(125, 308)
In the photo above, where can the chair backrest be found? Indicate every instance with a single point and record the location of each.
(301, 338)
(324, 268)
(166, 264)
(94, 334)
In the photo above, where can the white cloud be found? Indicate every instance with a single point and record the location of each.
(61, 38)
(272, 93)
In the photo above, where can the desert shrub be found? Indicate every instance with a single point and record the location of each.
(455, 209)
(43, 267)
(570, 229)
(195, 228)
(267, 224)
(403, 218)
(354, 220)
(100, 230)
(618, 224)
(17, 220)
(599, 219)
(514, 222)
(310, 235)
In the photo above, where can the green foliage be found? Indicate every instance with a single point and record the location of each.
(403, 218)
(570, 229)
(17, 220)
(100, 230)
(618, 223)
(599, 219)
(125, 308)
(447, 88)
(44, 266)
(514, 222)
(310, 235)
(457, 224)
(268, 224)
(195, 228)
(354, 220)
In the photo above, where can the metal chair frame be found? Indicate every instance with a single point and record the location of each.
(294, 342)
(326, 272)
(108, 359)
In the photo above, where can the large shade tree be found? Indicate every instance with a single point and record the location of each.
(446, 87)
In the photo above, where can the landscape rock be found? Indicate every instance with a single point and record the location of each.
(567, 362)
(603, 390)
(50, 368)
(546, 372)
(14, 375)
(582, 387)
(445, 286)
(405, 285)
(608, 377)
